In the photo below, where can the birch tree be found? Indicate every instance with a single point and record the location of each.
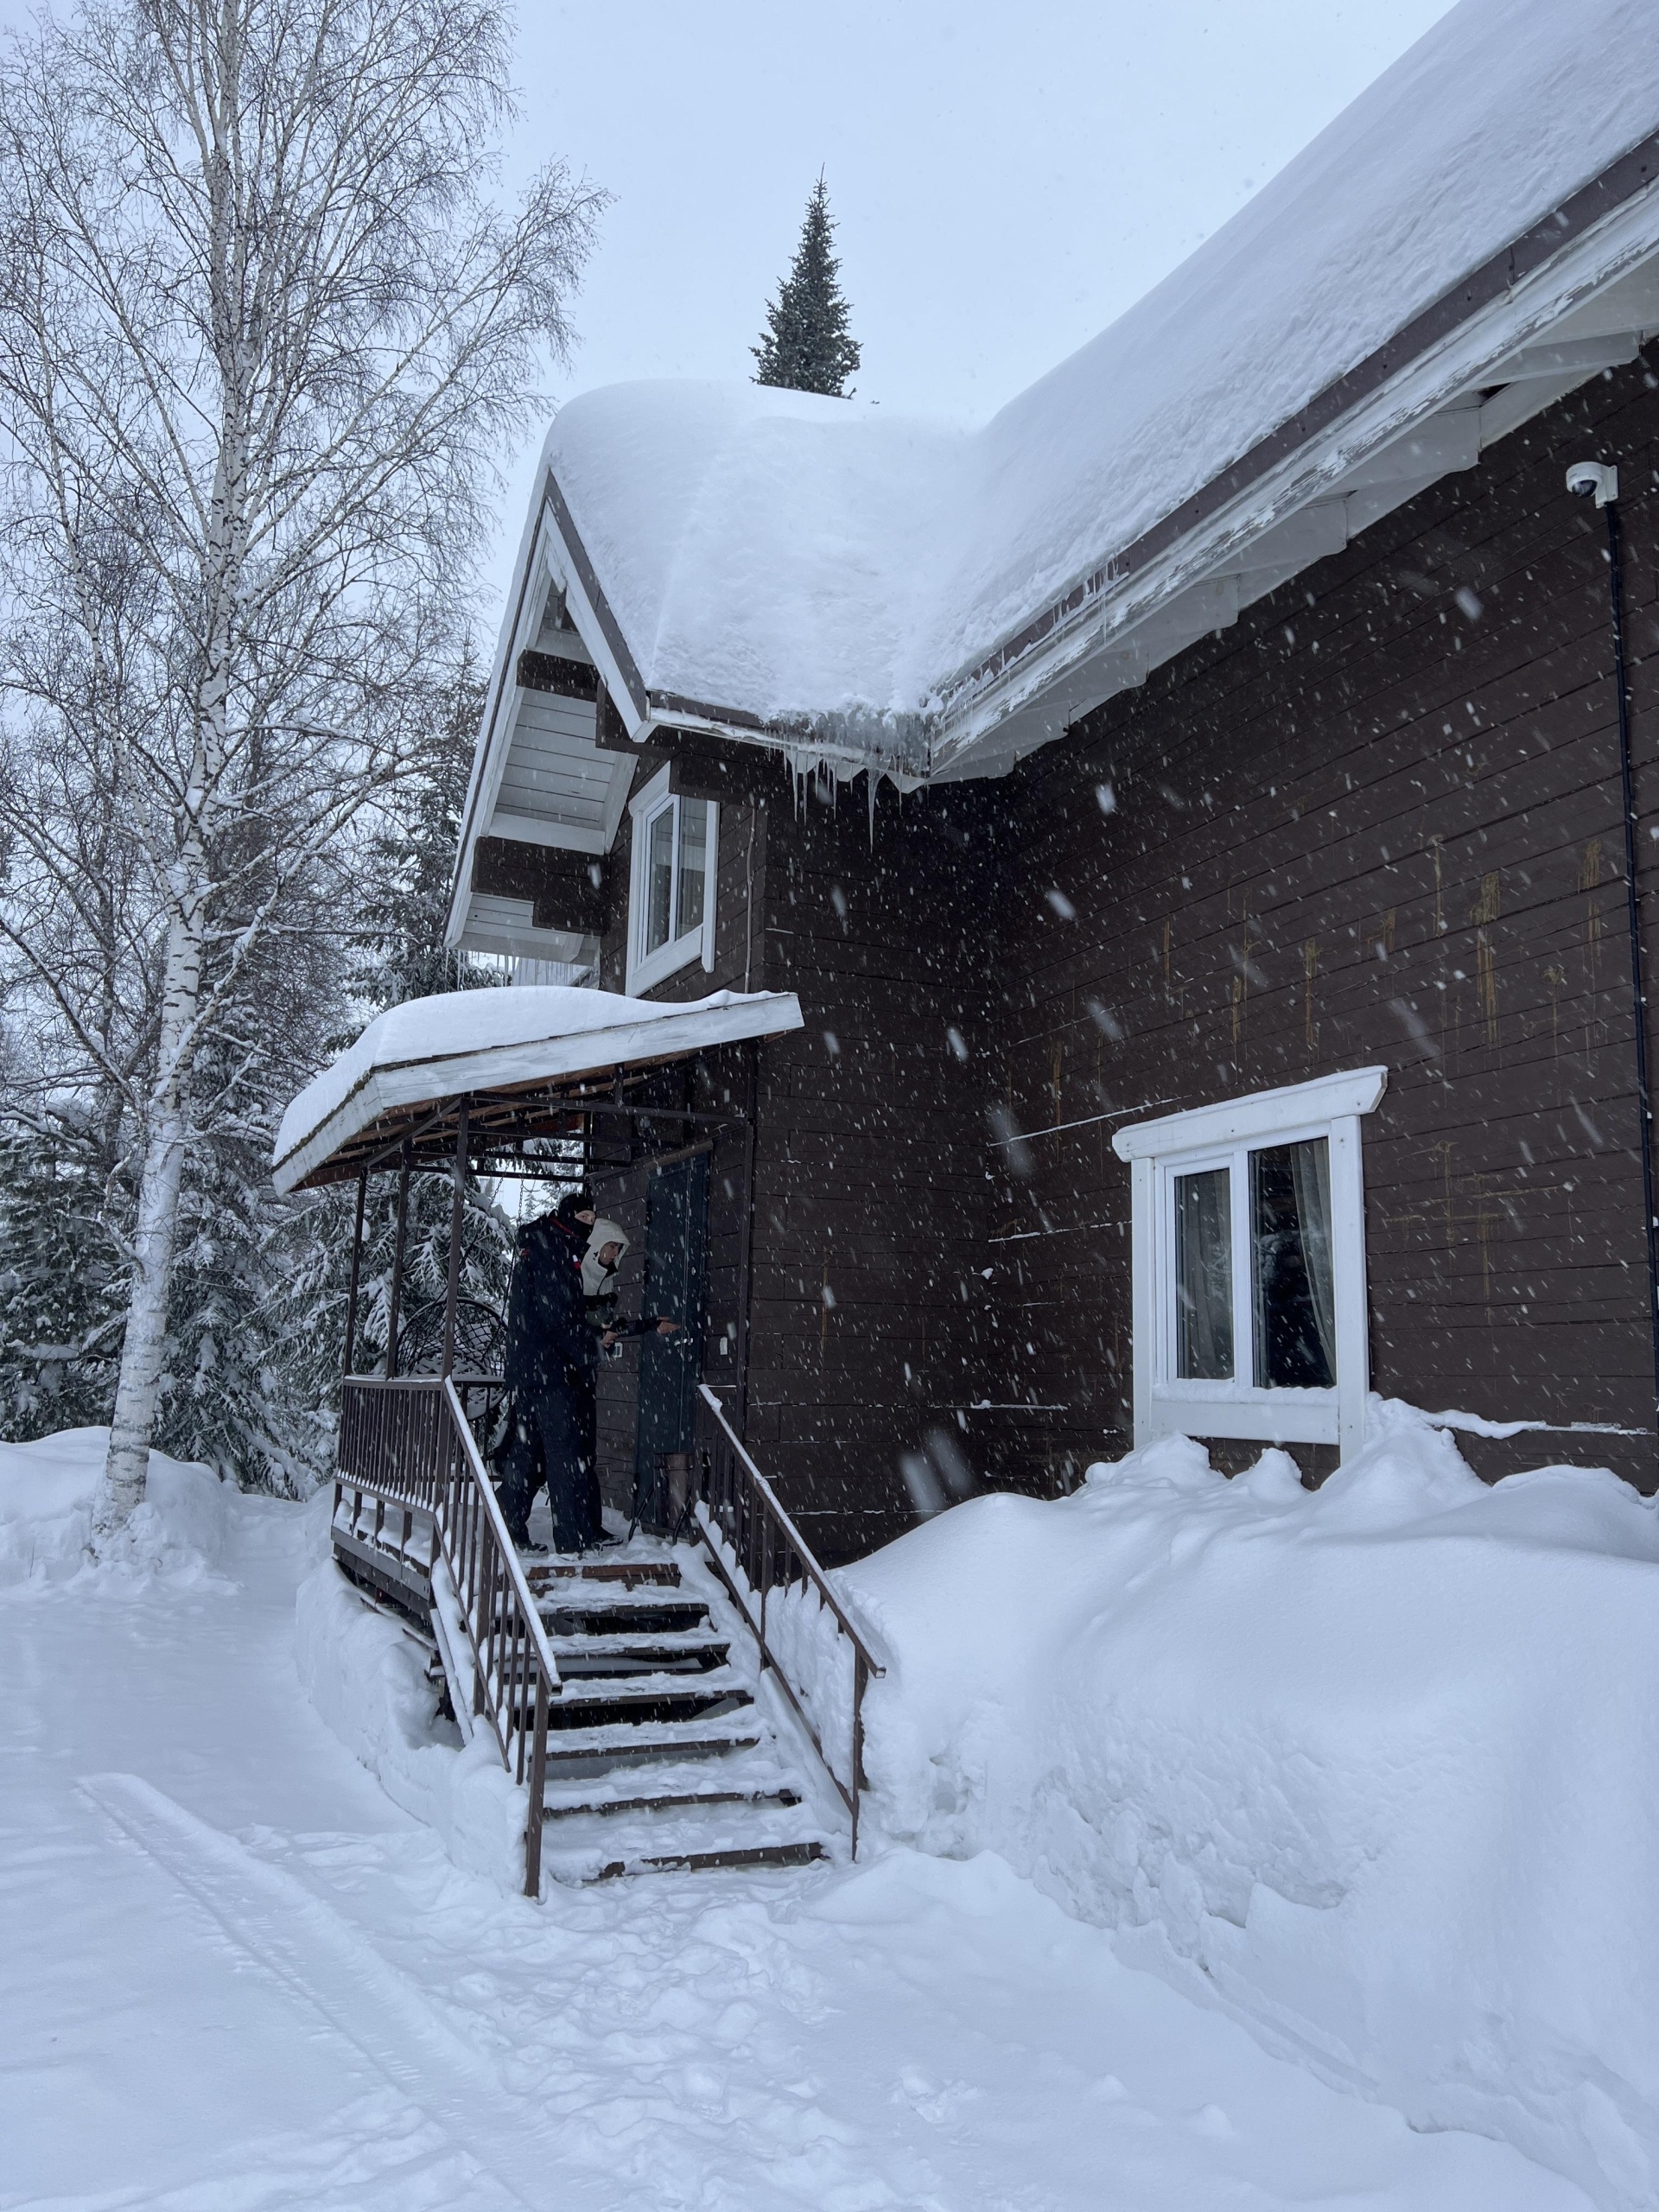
(263, 326)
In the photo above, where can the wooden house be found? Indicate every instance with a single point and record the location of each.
(1191, 813)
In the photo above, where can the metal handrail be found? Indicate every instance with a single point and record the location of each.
(772, 1570)
(813, 1573)
(471, 1380)
(418, 1467)
(492, 1504)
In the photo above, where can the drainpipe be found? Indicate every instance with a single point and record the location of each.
(1598, 481)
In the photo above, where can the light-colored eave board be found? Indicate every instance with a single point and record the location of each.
(627, 681)
(600, 632)
(430, 1081)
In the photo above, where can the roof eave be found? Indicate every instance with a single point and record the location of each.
(1433, 362)
(550, 540)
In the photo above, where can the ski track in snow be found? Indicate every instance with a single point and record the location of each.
(236, 1979)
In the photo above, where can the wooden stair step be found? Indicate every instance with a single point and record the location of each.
(631, 1744)
(610, 1658)
(642, 1698)
(598, 1689)
(753, 1854)
(638, 1619)
(673, 1802)
(662, 1574)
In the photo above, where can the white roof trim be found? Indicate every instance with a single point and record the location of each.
(1262, 1113)
(1434, 403)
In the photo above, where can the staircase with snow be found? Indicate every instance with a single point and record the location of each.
(659, 1754)
(665, 1706)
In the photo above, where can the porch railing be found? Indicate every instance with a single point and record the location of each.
(406, 1443)
(767, 1566)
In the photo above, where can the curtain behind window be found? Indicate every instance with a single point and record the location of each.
(1310, 1168)
(1203, 1276)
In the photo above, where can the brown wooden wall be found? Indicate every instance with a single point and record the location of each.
(869, 1315)
(718, 1082)
(873, 1323)
(1378, 821)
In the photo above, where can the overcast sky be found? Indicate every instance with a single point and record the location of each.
(1006, 178)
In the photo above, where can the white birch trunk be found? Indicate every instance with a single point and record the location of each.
(144, 1345)
(299, 236)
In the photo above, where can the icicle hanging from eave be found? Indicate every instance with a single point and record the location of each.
(827, 772)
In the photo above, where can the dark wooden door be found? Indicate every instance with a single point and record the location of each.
(677, 1266)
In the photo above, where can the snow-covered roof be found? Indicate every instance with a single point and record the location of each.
(1475, 234)
(466, 1043)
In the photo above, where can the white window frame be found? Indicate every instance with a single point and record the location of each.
(1224, 1136)
(645, 968)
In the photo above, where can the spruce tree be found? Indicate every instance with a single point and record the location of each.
(805, 346)
(62, 1278)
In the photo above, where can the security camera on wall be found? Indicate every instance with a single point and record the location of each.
(1594, 480)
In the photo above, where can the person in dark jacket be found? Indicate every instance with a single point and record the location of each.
(550, 1369)
(608, 1244)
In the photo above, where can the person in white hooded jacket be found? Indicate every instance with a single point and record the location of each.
(607, 1247)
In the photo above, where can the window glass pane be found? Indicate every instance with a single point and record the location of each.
(1203, 1276)
(694, 851)
(659, 878)
(1290, 1267)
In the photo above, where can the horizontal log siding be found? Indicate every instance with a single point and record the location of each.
(872, 1176)
(1368, 825)
(1360, 826)
(719, 1080)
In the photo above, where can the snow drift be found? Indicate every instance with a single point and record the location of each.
(46, 1492)
(1375, 1769)
(366, 1675)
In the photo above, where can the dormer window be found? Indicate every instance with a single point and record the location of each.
(671, 887)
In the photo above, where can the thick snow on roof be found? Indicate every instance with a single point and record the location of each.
(456, 1041)
(788, 557)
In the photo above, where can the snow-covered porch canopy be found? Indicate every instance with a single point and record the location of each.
(526, 1061)
(1473, 237)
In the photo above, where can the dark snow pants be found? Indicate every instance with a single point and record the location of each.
(551, 1441)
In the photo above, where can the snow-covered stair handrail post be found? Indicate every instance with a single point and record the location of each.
(758, 1551)
(407, 1442)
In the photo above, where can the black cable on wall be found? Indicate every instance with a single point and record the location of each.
(1633, 912)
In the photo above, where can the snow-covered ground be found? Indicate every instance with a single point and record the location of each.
(235, 1974)
(1376, 1768)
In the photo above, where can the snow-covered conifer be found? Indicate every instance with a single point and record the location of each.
(806, 346)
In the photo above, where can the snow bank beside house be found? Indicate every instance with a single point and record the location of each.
(367, 1678)
(46, 1493)
(1375, 1769)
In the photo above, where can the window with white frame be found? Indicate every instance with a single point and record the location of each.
(672, 886)
(1248, 1256)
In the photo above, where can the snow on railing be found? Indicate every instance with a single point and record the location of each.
(407, 1442)
(821, 1661)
